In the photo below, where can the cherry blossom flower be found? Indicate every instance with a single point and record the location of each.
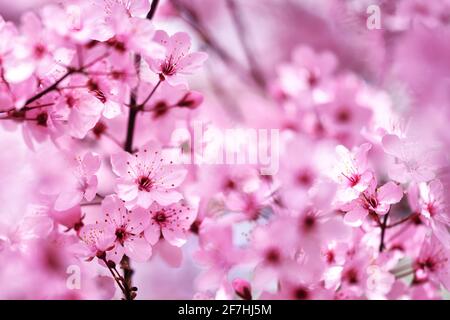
(372, 200)
(217, 254)
(29, 229)
(147, 176)
(433, 262)
(124, 226)
(434, 208)
(178, 61)
(352, 172)
(83, 185)
(96, 241)
(308, 74)
(171, 222)
(345, 116)
(414, 161)
(82, 110)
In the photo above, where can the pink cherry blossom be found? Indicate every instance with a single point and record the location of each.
(308, 73)
(171, 222)
(83, 185)
(178, 61)
(372, 200)
(96, 240)
(434, 208)
(414, 162)
(147, 176)
(352, 172)
(433, 262)
(82, 111)
(124, 226)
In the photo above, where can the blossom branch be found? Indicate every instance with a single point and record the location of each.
(128, 292)
(383, 232)
(54, 86)
(134, 110)
(401, 221)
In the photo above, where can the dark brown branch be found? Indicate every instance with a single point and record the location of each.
(134, 110)
(383, 232)
(152, 11)
(54, 86)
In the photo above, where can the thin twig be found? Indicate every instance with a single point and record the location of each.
(401, 221)
(128, 146)
(141, 105)
(383, 232)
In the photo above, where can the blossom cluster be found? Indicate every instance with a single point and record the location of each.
(102, 196)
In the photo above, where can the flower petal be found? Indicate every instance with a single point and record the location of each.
(356, 217)
(390, 193)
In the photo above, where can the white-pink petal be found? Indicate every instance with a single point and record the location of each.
(137, 248)
(355, 217)
(390, 193)
(153, 233)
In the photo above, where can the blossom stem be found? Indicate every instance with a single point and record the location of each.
(383, 232)
(128, 146)
(141, 106)
(399, 222)
(120, 281)
(54, 86)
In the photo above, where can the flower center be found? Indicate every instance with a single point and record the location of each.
(373, 202)
(308, 222)
(230, 185)
(429, 264)
(160, 217)
(39, 51)
(168, 67)
(273, 256)
(353, 179)
(117, 44)
(99, 129)
(351, 276)
(145, 183)
(42, 118)
(343, 115)
(301, 293)
(313, 79)
(71, 101)
(431, 208)
(304, 178)
(121, 235)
